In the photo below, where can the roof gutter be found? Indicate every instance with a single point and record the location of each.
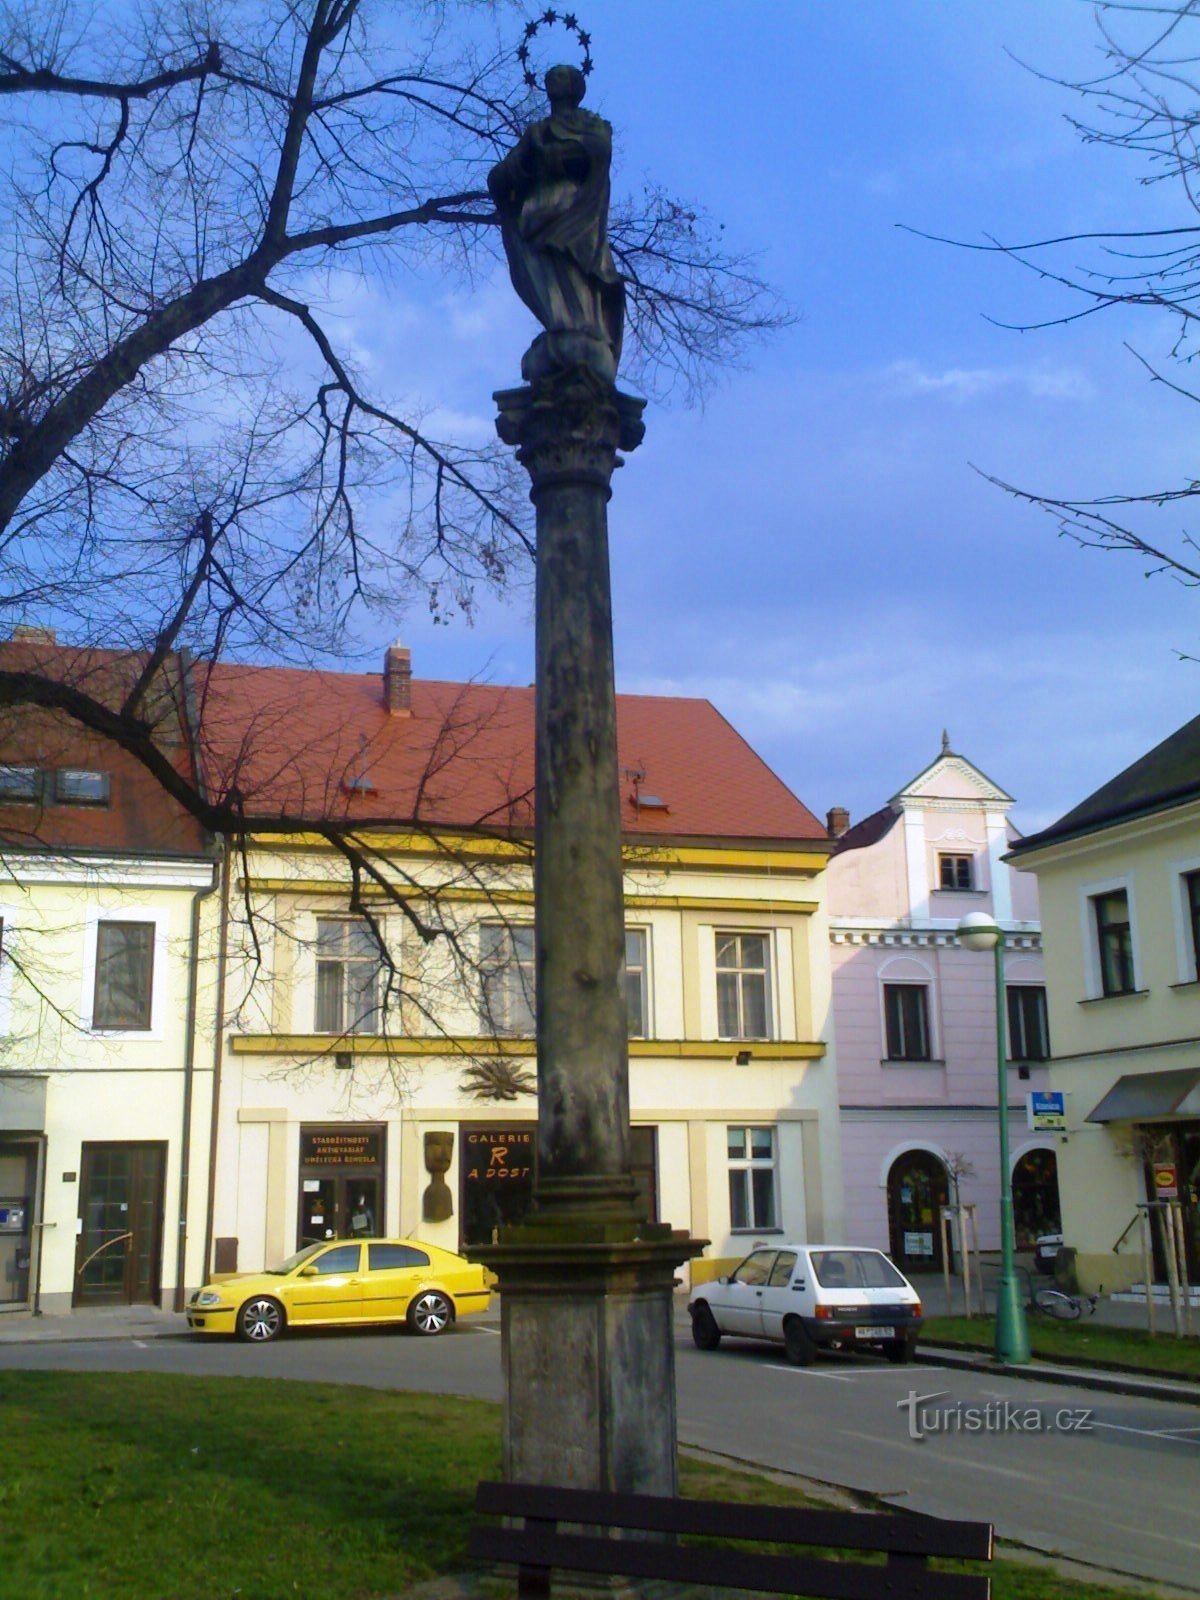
(1108, 819)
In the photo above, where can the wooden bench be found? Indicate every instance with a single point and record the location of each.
(541, 1545)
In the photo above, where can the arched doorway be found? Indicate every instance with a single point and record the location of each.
(1035, 1197)
(917, 1187)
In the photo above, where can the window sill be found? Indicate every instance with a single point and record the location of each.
(1190, 983)
(756, 1233)
(912, 1061)
(979, 893)
(1101, 999)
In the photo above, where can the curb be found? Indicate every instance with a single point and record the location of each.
(1187, 1394)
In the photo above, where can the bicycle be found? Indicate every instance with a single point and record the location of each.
(1063, 1307)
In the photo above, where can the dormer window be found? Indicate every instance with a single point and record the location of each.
(76, 786)
(19, 785)
(956, 872)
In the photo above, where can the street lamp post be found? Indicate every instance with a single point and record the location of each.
(978, 931)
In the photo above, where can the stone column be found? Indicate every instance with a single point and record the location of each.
(586, 1283)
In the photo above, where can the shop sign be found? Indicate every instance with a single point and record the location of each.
(340, 1147)
(498, 1156)
(1166, 1181)
(1046, 1110)
(918, 1244)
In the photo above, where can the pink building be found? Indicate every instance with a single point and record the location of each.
(914, 1015)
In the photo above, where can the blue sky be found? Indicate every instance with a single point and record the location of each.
(812, 549)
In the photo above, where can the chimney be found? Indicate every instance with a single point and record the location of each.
(33, 633)
(397, 680)
(837, 821)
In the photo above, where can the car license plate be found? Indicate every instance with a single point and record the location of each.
(874, 1333)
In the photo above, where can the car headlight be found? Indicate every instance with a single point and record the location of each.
(207, 1297)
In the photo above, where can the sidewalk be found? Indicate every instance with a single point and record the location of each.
(115, 1322)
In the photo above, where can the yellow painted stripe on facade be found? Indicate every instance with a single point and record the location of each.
(524, 897)
(700, 858)
(761, 1051)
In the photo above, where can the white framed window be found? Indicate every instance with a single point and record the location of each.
(906, 1022)
(743, 966)
(349, 977)
(80, 786)
(1185, 874)
(1028, 1028)
(125, 972)
(1109, 931)
(508, 977)
(19, 785)
(956, 872)
(637, 981)
(753, 1179)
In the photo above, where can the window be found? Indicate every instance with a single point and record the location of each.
(1191, 885)
(73, 786)
(1028, 1033)
(743, 992)
(906, 1019)
(508, 971)
(751, 1179)
(855, 1269)
(781, 1272)
(636, 989)
(18, 785)
(344, 1259)
(388, 1257)
(1114, 939)
(348, 974)
(124, 975)
(956, 872)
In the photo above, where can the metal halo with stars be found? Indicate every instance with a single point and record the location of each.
(569, 21)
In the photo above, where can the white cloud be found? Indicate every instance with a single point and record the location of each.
(961, 384)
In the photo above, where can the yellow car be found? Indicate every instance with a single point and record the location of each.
(344, 1283)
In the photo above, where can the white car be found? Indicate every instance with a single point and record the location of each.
(811, 1297)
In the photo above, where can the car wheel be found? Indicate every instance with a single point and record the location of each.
(900, 1351)
(705, 1333)
(260, 1320)
(797, 1346)
(430, 1314)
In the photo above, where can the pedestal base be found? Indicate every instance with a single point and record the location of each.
(589, 1359)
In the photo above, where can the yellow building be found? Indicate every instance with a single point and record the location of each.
(400, 1089)
(1119, 887)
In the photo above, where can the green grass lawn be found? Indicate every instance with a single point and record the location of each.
(1085, 1341)
(147, 1487)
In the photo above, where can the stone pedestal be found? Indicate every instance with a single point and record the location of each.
(586, 1283)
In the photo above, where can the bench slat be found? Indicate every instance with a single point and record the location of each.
(904, 1533)
(734, 1569)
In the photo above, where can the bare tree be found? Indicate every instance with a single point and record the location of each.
(192, 465)
(1143, 102)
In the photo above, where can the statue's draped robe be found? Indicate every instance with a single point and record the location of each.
(551, 193)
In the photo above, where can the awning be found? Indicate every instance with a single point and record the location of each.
(1151, 1097)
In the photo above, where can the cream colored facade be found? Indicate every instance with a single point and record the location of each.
(98, 1125)
(1099, 1040)
(284, 1088)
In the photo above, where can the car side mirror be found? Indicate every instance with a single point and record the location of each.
(308, 1272)
(723, 1280)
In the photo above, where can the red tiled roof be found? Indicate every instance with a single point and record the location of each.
(291, 741)
(140, 818)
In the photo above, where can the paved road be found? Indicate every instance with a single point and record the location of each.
(1123, 1493)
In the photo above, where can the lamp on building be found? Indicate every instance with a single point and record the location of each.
(978, 931)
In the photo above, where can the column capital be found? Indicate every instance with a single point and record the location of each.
(568, 427)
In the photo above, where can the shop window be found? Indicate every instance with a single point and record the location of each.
(1028, 1030)
(349, 973)
(956, 872)
(752, 1179)
(906, 1021)
(507, 955)
(743, 986)
(637, 992)
(1114, 942)
(124, 976)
